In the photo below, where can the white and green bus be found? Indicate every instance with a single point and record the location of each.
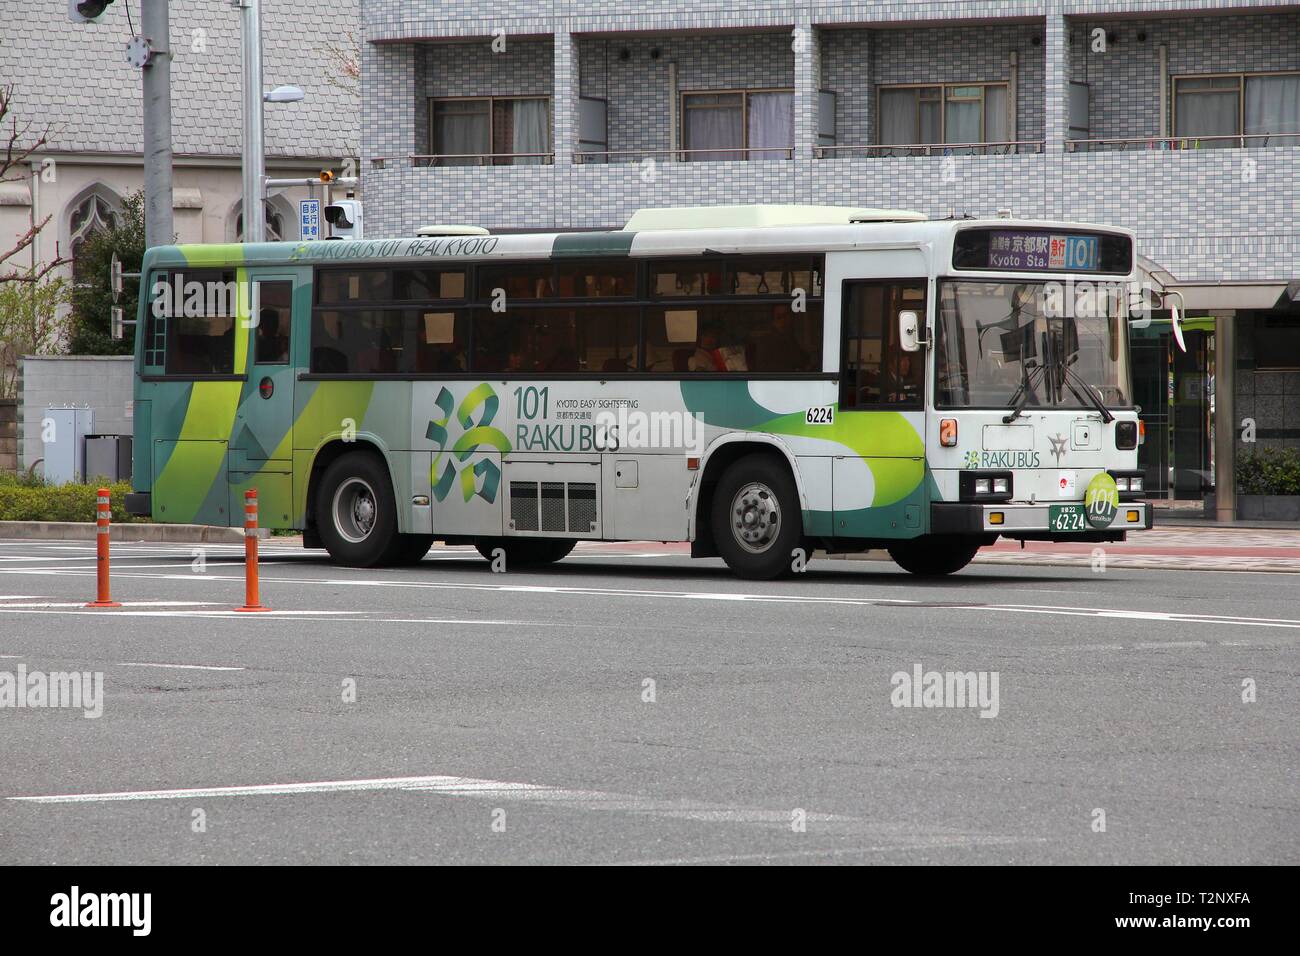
(752, 380)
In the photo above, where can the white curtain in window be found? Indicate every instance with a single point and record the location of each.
(771, 125)
(995, 114)
(962, 122)
(531, 131)
(1273, 106)
(898, 117)
(1207, 114)
(713, 129)
(461, 133)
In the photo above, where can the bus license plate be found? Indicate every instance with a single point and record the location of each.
(1067, 518)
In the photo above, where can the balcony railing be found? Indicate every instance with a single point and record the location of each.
(1238, 141)
(482, 159)
(684, 155)
(931, 149)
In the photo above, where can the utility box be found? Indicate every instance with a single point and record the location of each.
(63, 434)
(108, 456)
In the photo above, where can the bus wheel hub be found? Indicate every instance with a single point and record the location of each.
(756, 517)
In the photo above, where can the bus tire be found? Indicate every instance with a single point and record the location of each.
(356, 514)
(409, 549)
(523, 552)
(755, 519)
(934, 556)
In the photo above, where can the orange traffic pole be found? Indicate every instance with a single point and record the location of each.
(251, 602)
(103, 522)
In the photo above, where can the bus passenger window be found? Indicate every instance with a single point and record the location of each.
(441, 340)
(346, 286)
(422, 285)
(357, 340)
(201, 323)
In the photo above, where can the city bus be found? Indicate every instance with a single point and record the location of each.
(762, 382)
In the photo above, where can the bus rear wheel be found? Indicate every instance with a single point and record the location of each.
(356, 514)
(522, 552)
(934, 556)
(756, 519)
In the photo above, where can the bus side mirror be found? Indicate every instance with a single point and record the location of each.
(1176, 322)
(909, 334)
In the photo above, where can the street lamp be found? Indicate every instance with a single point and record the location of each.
(284, 94)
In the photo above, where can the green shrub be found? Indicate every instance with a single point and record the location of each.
(24, 500)
(1269, 472)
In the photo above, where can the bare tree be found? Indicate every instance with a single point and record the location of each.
(21, 142)
(344, 59)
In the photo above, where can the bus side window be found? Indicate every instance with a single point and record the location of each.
(155, 339)
(877, 372)
(201, 326)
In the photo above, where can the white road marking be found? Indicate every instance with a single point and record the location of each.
(1160, 645)
(183, 667)
(560, 798)
(934, 843)
(270, 789)
(82, 604)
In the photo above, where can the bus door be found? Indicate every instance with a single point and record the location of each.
(881, 491)
(261, 446)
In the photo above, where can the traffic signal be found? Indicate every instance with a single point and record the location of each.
(87, 11)
(326, 176)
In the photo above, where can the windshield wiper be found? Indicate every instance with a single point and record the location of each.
(1021, 398)
(1092, 397)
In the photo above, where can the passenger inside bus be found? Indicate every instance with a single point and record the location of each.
(272, 346)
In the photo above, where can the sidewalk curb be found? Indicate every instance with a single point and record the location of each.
(129, 531)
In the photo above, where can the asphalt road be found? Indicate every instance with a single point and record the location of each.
(504, 717)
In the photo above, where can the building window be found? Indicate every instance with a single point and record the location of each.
(1277, 342)
(951, 113)
(1256, 106)
(274, 226)
(487, 130)
(741, 124)
(93, 214)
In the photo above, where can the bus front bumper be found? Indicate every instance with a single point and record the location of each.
(1028, 522)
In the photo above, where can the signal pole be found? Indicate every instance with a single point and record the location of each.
(157, 84)
(250, 15)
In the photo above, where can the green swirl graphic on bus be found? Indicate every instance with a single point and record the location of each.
(482, 402)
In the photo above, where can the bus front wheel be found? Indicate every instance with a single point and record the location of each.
(355, 511)
(934, 556)
(756, 519)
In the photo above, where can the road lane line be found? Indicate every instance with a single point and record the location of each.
(1166, 617)
(183, 667)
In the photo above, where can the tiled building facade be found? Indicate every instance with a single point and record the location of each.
(1213, 216)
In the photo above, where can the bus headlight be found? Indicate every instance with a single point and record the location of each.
(988, 486)
(1121, 484)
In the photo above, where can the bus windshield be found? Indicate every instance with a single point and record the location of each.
(1001, 343)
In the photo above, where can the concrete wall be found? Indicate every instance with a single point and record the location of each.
(103, 382)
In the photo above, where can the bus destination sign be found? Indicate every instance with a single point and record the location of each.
(1036, 251)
